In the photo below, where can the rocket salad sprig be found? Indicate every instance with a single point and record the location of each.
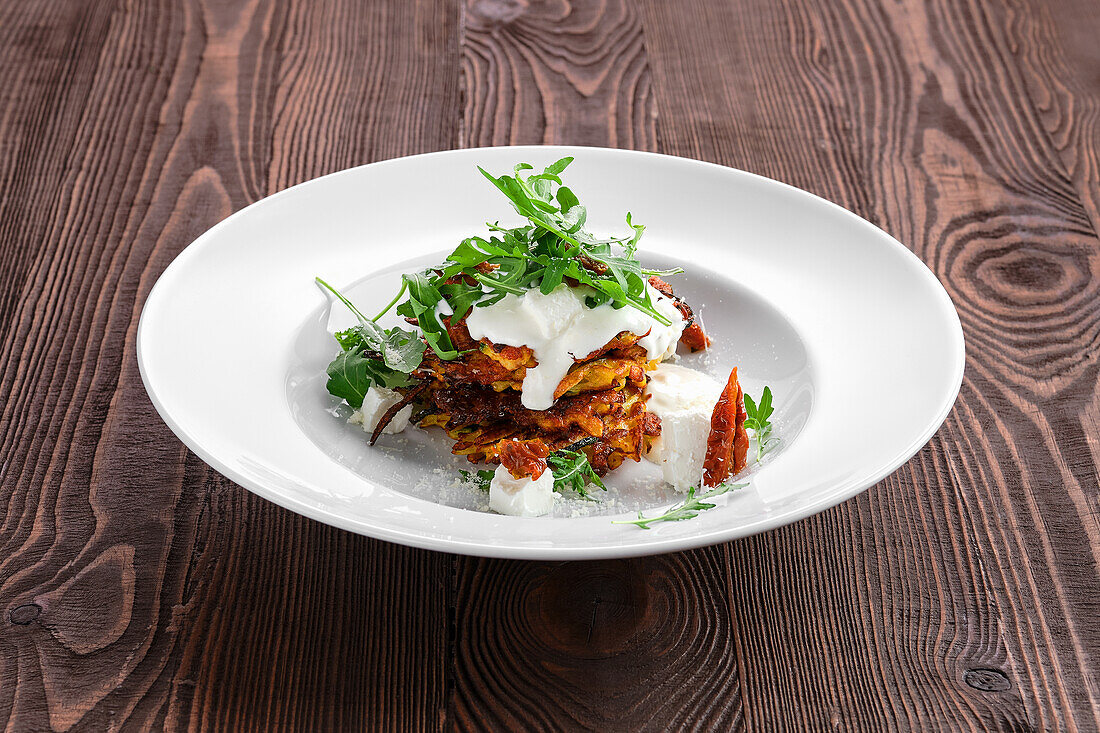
(758, 420)
(572, 471)
(689, 508)
(371, 355)
(551, 248)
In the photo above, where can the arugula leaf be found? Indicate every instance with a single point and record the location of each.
(758, 420)
(567, 200)
(470, 252)
(423, 300)
(557, 167)
(687, 509)
(574, 218)
(461, 297)
(556, 232)
(371, 355)
(572, 470)
(402, 350)
(553, 275)
(351, 339)
(349, 378)
(351, 374)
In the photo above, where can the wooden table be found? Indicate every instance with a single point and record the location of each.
(139, 589)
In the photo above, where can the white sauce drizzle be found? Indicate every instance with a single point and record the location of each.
(559, 328)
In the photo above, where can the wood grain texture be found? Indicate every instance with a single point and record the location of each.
(555, 71)
(910, 114)
(138, 588)
(141, 590)
(623, 645)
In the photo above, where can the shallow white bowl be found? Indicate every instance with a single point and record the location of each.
(856, 337)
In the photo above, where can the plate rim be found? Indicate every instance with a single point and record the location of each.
(843, 491)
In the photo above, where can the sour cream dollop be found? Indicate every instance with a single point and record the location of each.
(559, 328)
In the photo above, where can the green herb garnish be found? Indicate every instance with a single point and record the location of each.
(758, 421)
(371, 355)
(551, 248)
(572, 470)
(687, 509)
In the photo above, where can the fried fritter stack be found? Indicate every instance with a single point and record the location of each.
(475, 399)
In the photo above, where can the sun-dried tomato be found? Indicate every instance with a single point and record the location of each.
(728, 442)
(661, 286)
(592, 265)
(695, 338)
(524, 457)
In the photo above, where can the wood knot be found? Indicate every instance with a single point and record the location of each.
(92, 609)
(1007, 275)
(1031, 294)
(23, 615)
(1031, 273)
(987, 680)
(591, 610)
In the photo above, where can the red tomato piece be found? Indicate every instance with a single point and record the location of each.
(728, 442)
(524, 457)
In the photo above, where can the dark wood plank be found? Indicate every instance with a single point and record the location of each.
(137, 588)
(1057, 55)
(925, 607)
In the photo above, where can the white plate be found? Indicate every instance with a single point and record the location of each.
(856, 337)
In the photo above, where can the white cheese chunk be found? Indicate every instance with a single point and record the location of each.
(684, 399)
(560, 329)
(375, 404)
(521, 497)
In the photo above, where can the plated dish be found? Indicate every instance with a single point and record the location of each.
(857, 340)
(545, 349)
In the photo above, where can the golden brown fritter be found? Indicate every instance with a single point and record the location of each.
(612, 421)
